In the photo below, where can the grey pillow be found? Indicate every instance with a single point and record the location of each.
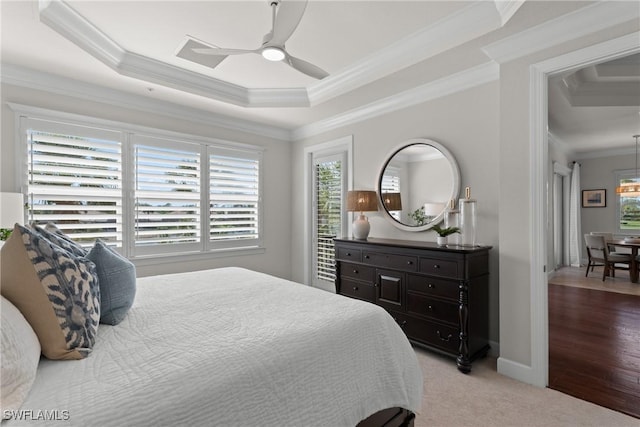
(117, 280)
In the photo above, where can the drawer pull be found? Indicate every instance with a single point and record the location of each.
(430, 286)
(348, 253)
(444, 339)
(355, 271)
(409, 262)
(436, 266)
(355, 288)
(429, 308)
(366, 257)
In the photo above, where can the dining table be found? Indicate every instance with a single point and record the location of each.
(634, 245)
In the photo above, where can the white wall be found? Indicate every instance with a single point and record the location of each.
(277, 157)
(466, 123)
(600, 173)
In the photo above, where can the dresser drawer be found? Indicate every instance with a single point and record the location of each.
(433, 286)
(439, 267)
(431, 307)
(358, 290)
(349, 254)
(446, 338)
(399, 262)
(357, 271)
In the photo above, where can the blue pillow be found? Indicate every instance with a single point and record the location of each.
(117, 280)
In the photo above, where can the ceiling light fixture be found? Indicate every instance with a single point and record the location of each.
(272, 53)
(631, 188)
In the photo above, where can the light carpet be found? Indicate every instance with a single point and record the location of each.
(487, 398)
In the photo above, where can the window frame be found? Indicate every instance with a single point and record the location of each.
(619, 175)
(341, 145)
(26, 115)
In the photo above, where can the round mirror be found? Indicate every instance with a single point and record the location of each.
(416, 183)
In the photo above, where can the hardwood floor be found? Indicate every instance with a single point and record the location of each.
(594, 344)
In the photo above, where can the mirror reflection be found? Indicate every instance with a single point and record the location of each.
(416, 184)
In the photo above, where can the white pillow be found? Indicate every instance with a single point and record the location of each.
(20, 354)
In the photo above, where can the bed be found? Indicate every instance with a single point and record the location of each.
(234, 347)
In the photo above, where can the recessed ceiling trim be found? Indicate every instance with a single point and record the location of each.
(28, 78)
(462, 26)
(467, 24)
(584, 21)
(507, 9)
(478, 75)
(67, 22)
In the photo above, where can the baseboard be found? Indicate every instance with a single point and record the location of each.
(518, 371)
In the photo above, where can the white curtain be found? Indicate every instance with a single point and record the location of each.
(575, 233)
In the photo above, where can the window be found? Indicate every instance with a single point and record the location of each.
(75, 181)
(628, 212)
(329, 188)
(145, 194)
(234, 198)
(167, 196)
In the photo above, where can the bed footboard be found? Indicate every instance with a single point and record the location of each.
(392, 417)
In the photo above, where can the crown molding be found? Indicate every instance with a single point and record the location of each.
(584, 21)
(67, 22)
(475, 20)
(507, 9)
(32, 79)
(465, 25)
(612, 152)
(458, 82)
(561, 145)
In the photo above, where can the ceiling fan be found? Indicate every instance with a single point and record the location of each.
(286, 16)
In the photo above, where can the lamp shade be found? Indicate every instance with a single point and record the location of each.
(362, 201)
(11, 209)
(433, 208)
(392, 201)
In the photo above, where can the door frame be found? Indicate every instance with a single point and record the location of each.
(539, 159)
(343, 144)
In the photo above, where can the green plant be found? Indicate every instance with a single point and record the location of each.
(418, 216)
(444, 232)
(5, 233)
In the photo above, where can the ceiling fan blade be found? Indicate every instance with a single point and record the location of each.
(220, 51)
(286, 21)
(306, 67)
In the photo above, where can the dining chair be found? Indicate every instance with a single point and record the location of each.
(599, 255)
(612, 248)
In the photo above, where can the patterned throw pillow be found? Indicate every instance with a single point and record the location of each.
(117, 278)
(57, 292)
(55, 235)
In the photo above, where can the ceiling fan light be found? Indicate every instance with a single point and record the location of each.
(273, 53)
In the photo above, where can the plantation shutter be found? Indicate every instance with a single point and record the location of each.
(75, 180)
(391, 184)
(328, 188)
(167, 195)
(234, 198)
(391, 180)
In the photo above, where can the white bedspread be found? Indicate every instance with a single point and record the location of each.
(232, 347)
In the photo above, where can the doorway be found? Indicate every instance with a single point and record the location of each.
(539, 74)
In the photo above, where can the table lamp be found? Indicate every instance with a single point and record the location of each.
(361, 201)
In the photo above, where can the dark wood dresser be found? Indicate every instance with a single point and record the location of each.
(439, 295)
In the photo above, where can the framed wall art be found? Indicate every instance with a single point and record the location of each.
(594, 198)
